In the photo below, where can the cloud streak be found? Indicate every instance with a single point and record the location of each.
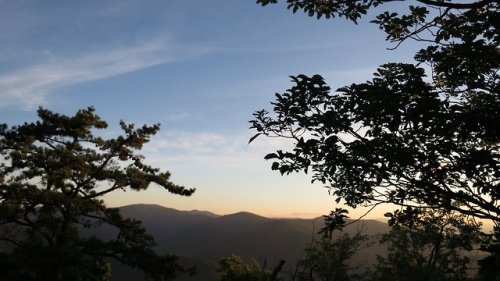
(229, 151)
(29, 86)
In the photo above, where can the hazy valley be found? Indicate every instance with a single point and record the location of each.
(201, 238)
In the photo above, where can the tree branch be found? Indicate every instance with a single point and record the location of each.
(472, 5)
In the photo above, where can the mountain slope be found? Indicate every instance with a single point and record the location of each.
(202, 238)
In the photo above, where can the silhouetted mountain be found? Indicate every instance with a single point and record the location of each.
(202, 238)
(163, 222)
(205, 213)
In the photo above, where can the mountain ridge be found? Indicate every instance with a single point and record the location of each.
(203, 238)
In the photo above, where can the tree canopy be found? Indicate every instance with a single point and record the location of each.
(233, 268)
(428, 245)
(330, 259)
(421, 245)
(53, 174)
(423, 134)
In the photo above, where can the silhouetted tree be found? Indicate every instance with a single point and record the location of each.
(402, 138)
(233, 268)
(53, 174)
(490, 266)
(410, 137)
(330, 259)
(428, 245)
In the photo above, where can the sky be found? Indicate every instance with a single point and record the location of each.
(198, 67)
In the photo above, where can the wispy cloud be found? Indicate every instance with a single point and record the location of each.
(29, 86)
(217, 150)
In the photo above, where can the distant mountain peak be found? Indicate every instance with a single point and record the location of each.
(244, 213)
(205, 213)
(243, 216)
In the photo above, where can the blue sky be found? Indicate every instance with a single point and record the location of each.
(198, 67)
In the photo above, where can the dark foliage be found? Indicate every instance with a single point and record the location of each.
(409, 137)
(428, 245)
(53, 174)
(233, 268)
(330, 259)
(401, 138)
